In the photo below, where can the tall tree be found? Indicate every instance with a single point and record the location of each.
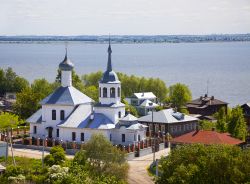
(42, 87)
(9, 120)
(179, 95)
(11, 82)
(92, 79)
(222, 119)
(236, 125)
(105, 158)
(27, 103)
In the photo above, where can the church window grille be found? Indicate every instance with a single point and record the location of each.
(112, 92)
(105, 92)
(82, 137)
(123, 137)
(53, 114)
(119, 92)
(62, 114)
(73, 136)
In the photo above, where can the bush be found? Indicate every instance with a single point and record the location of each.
(56, 156)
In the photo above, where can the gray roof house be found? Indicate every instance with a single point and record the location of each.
(168, 120)
(143, 102)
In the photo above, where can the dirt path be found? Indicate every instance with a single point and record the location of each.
(31, 153)
(138, 168)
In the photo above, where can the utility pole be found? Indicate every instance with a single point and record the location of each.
(11, 147)
(43, 151)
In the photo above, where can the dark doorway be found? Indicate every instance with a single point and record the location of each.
(50, 131)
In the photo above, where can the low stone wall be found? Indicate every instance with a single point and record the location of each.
(40, 148)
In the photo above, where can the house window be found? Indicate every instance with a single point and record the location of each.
(134, 102)
(57, 132)
(34, 129)
(73, 136)
(123, 137)
(110, 137)
(82, 137)
(100, 92)
(134, 137)
(119, 114)
(62, 114)
(139, 138)
(112, 92)
(53, 114)
(104, 92)
(119, 92)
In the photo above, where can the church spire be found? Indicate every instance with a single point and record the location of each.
(109, 66)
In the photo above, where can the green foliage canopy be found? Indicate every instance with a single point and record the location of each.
(179, 95)
(237, 126)
(8, 120)
(11, 82)
(196, 163)
(56, 156)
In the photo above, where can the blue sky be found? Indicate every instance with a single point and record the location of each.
(101, 17)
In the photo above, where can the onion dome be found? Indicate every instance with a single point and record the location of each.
(109, 75)
(66, 64)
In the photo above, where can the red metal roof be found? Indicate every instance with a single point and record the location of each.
(206, 137)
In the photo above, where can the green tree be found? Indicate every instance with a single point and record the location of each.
(11, 82)
(42, 87)
(92, 92)
(129, 108)
(236, 125)
(131, 84)
(92, 79)
(179, 95)
(221, 116)
(105, 158)
(8, 120)
(56, 156)
(197, 163)
(207, 125)
(27, 103)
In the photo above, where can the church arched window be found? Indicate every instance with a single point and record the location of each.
(105, 92)
(119, 114)
(119, 92)
(62, 115)
(53, 114)
(112, 92)
(100, 92)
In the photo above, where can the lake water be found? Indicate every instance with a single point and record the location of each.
(225, 65)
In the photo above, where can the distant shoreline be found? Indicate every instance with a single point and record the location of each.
(128, 39)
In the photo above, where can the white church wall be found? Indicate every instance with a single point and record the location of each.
(66, 79)
(111, 113)
(65, 134)
(131, 136)
(39, 130)
(108, 99)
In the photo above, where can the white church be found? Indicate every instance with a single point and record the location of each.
(69, 115)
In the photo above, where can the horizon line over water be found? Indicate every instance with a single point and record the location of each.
(225, 64)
